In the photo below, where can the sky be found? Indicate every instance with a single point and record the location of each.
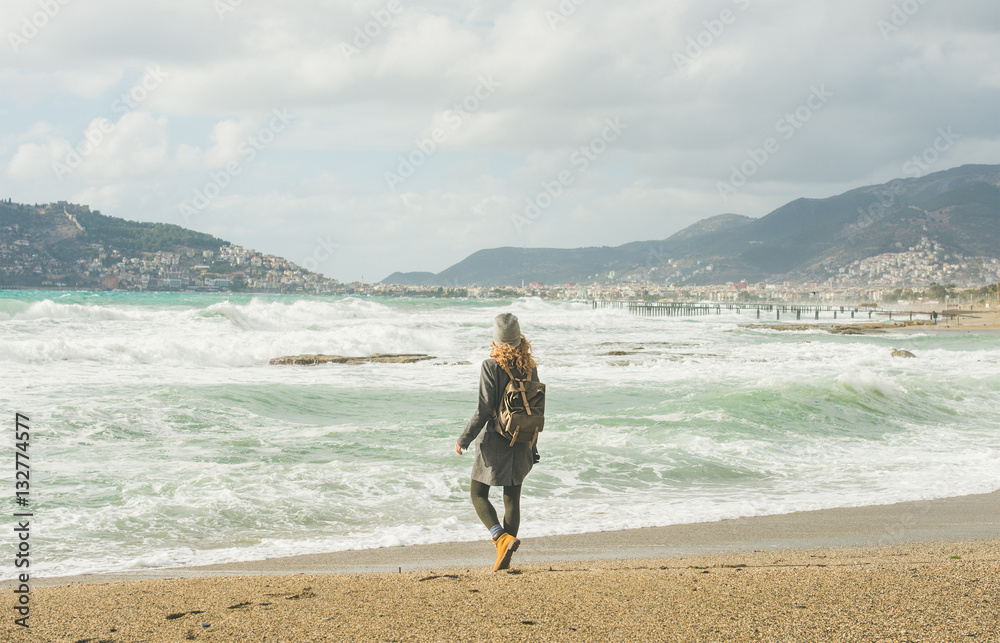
(358, 138)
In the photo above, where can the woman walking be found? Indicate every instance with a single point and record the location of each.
(498, 464)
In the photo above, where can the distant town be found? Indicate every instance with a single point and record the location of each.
(28, 259)
(919, 273)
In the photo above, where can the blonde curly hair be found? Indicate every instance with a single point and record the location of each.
(520, 357)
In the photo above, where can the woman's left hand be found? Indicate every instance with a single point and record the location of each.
(458, 449)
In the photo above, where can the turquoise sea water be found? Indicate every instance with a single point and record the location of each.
(162, 437)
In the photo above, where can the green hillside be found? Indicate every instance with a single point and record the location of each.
(133, 237)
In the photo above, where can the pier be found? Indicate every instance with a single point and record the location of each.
(761, 310)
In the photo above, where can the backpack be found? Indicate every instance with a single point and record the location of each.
(522, 410)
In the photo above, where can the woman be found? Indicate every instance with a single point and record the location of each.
(497, 463)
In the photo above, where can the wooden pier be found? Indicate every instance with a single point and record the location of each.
(775, 311)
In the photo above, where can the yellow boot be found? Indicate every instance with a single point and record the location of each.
(506, 546)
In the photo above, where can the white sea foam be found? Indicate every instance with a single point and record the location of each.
(171, 441)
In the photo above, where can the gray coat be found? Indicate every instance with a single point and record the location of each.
(497, 463)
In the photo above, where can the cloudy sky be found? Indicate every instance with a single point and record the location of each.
(368, 136)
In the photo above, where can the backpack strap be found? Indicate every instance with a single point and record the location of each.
(507, 371)
(524, 395)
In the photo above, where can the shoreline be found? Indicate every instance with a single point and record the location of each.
(968, 517)
(913, 571)
(918, 570)
(938, 591)
(980, 322)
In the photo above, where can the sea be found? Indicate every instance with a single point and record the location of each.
(160, 435)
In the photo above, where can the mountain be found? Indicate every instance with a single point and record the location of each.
(813, 238)
(66, 245)
(508, 265)
(806, 239)
(410, 278)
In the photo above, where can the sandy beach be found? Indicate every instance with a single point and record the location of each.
(914, 571)
(985, 321)
(949, 322)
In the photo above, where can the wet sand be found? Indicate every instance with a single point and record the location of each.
(915, 571)
(978, 322)
(987, 322)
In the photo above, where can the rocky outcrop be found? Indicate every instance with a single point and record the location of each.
(378, 358)
(899, 352)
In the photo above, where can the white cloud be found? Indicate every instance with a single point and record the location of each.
(226, 138)
(357, 114)
(33, 160)
(28, 88)
(136, 146)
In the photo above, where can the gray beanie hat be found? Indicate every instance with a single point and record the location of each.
(506, 330)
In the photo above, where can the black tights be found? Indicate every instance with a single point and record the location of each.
(511, 506)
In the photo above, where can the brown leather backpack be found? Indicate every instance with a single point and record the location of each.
(522, 409)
